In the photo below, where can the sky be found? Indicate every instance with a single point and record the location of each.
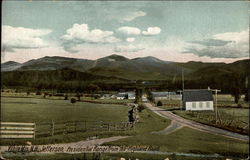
(180, 31)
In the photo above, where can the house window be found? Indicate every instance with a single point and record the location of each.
(194, 105)
(200, 104)
(208, 104)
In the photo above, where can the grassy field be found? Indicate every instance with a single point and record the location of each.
(223, 100)
(45, 110)
(187, 140)
(184, 140)
(234, 119)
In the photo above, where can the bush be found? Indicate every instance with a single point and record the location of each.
(140, 107)
(73, 100)
(159, 103)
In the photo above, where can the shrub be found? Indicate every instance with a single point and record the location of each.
(159, 103)
(73, 100)
(141, 107)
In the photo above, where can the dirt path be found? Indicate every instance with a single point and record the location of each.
(171, 128)
(196, 125)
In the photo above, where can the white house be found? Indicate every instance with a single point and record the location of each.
(131, 95)
(121, 96)
(197, 100)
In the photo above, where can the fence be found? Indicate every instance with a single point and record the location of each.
(53, 128)
(17, 130)
(32, 130)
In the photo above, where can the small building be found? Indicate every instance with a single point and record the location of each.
(144, 98)
(197, 100)
(121, 96)
(131, 95)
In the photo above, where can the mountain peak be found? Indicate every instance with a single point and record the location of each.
(115, 57)
(10, 63)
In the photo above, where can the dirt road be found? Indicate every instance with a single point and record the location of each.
(195, 125)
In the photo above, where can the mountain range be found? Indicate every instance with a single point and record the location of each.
(147, 68)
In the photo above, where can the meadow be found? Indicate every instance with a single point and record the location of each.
(185, 140)
(40, 111)
(231, 116)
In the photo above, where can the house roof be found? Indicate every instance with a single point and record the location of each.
(121, 94)
(197, 95)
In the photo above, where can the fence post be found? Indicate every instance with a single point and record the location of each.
(108, 127)
(65, 128)
(52, 127)
(34, 134)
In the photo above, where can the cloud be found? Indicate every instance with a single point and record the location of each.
(19, 37)
(152, 31)
(134, 15)
(212, 42)
(128, 48)
(224, 45)
(129, 30)
(131, 39)
(80, 33)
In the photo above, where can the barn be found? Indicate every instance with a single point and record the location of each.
(197, 100)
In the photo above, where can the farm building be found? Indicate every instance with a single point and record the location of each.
(197, 100)
(126, 95)
(131, 95)
(121, 96)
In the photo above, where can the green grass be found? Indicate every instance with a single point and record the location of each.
(234, 119)
(44, 110)
(187, 140)
(184, 140)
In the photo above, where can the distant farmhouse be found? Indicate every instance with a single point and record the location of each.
(126, 95)
(131, 95)
(197, 100)
(165, 96)
(121, 96)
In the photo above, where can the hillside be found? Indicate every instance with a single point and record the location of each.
(65, 75)
(142, 68)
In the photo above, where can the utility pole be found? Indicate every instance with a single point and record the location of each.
(216, 108)
(181, 100)
(182, 80)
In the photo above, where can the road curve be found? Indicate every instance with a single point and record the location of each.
(196, 125)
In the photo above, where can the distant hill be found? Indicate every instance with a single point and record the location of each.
(142, 68)
(238, 67)
(10, 66)
(26, 78)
